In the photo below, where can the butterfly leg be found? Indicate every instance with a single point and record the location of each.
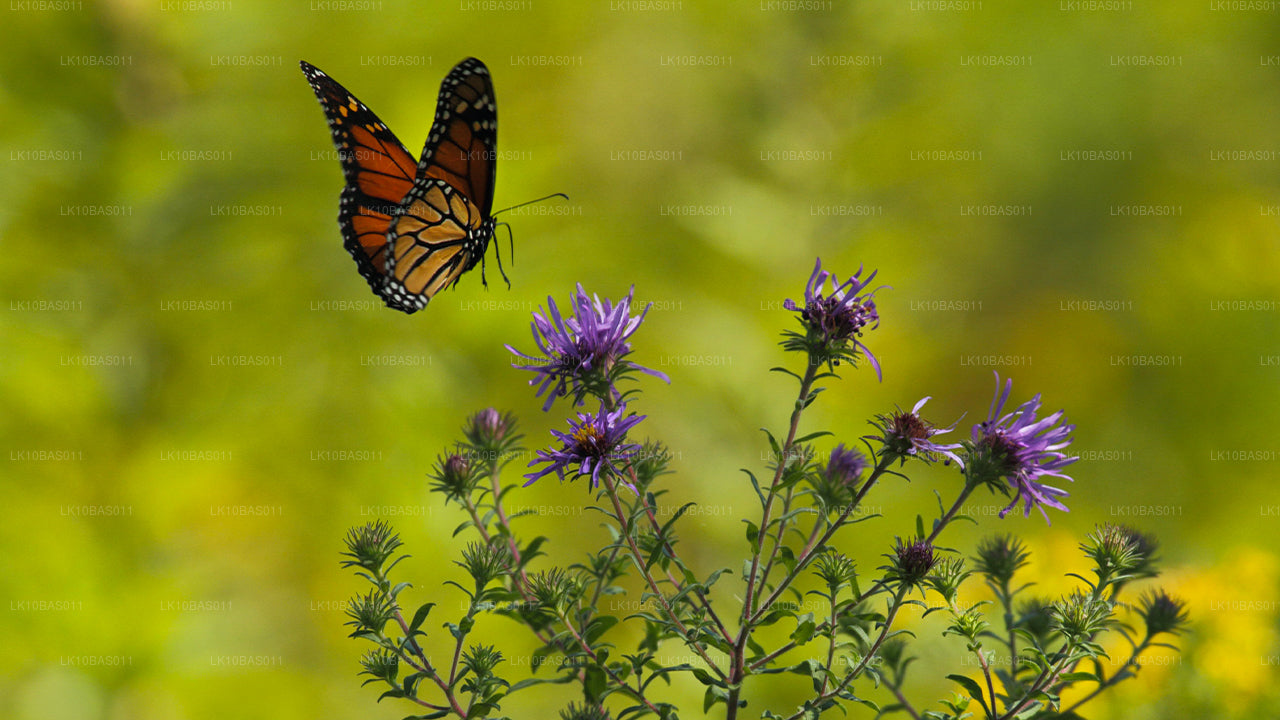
(497, 251)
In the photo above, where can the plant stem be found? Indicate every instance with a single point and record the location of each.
(671, 553)
(1006, 599)
(811, 548)
(857, 670)
(1115, 677)
(737, 669)
(906, 704)
(1044, 680)
(778, 538)
(986, 673)
(749, 601)
(831, 643)
(426, 667)
(611, 489)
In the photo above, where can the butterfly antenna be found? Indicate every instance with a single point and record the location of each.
(513, 207)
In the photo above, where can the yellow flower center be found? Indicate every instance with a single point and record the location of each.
(587, 435)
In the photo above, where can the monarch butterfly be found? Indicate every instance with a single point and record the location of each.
(415, 227)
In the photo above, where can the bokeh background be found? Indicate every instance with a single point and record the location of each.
(201, 395)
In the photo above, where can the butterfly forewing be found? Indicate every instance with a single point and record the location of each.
(464, 136)
(378, 170)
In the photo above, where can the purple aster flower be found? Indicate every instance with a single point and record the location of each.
(1023, 449)
(833, 319)
(583, 353)
(846, 466)
(906, 434)
(592, 444)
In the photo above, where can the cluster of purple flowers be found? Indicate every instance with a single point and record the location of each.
(585, 354)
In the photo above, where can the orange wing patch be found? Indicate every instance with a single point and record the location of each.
(380, 172)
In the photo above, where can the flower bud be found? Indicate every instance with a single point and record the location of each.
(999, 557)
(1163, 613)
(912, 562)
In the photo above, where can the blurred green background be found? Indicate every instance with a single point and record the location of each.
(172, 516)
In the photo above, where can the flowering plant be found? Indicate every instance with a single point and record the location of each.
(743, 639)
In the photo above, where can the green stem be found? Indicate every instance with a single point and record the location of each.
(991, 690)
(427, 668)
(671, 578)
(1044, 680)
(831, 643)
(778, 538)
(636, 692)
(857, 670)
(1006, 599)
(624, 529)
(902, 700)
(737, 672)
(1115, 677)
(806, 384)
(812, 548)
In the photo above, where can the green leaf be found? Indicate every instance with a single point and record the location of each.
(531, 550)
(411, 683)
(919, 526)
(971, 686)
(555, 680)
(594, 682)
(393, 692)
(755, 484)
(786, 372)
(711, 579)
(704, 677)
(862, 701)
(787, 557)
(421, 615)
(773, 444)
(812, 436)
(714, 695)
(599, 626)
(1072, 677)
(804, 629)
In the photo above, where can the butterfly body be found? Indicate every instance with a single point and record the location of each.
(415, 226)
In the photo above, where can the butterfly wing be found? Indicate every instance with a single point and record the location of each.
(378, 170)
(431, 242)
(444, 226)
(461, 149)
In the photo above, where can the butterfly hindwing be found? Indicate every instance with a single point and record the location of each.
(431, 243)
